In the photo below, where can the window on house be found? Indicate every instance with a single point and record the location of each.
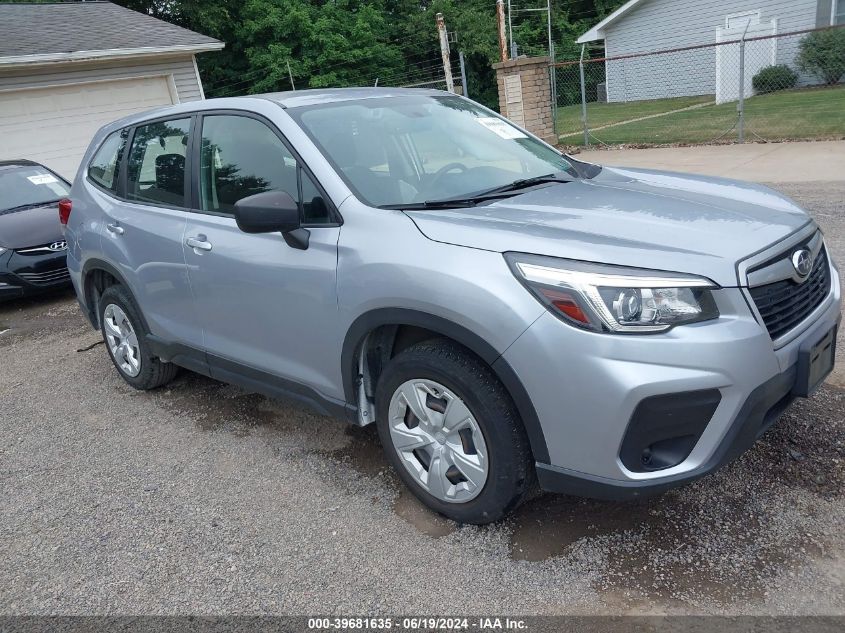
(741, 20)
(838, 16)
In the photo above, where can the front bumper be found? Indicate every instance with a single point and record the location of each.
(762, 409)
(586, 387)
(23, 275)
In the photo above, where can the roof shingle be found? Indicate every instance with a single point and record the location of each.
(72, 27)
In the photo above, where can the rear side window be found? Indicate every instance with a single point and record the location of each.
(106, 162)
(156, 164)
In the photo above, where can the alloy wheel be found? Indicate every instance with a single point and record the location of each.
(122, 340)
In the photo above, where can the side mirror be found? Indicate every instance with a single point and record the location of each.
(267, 212)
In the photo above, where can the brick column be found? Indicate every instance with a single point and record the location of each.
(525, 95)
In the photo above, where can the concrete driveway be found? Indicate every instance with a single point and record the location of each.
(821, 161)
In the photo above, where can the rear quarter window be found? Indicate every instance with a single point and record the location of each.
(104, 167)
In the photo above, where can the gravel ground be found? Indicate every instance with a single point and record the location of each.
(201, 498)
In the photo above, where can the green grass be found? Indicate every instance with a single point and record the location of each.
(808, 113)
(600, 114)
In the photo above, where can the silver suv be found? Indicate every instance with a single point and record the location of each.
(502, 312)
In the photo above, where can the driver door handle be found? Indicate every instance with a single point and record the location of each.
(198, 243)
(115, 228)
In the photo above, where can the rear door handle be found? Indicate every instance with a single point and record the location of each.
(114, 228)
(198, 243)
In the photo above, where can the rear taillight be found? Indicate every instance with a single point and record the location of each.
(64, 210)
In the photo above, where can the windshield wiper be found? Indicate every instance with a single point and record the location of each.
(522, 183)
(471, 200)
(28, 205)
(430, 204)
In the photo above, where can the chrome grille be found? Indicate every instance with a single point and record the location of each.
(46, 278)
(784, 304)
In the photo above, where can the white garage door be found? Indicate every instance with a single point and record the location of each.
(55, 125)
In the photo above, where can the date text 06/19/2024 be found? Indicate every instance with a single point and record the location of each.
(427, 623)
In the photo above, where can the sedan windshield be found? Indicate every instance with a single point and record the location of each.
(396, 151)
(25, 186)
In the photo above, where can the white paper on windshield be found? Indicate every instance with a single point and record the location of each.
(500, 127)
(42, 179)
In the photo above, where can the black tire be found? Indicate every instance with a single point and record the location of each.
(511, 472)
(153, 373)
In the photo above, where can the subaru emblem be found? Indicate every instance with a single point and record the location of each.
(802, 261)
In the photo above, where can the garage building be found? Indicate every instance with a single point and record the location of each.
(68, 68)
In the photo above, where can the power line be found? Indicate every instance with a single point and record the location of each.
(251, 76)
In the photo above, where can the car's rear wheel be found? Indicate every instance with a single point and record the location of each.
(452, 433)
(124, 335)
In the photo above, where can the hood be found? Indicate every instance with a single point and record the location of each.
(629, 217)
(30, 227)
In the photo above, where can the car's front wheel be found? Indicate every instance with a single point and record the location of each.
(124, 335)
(452, 433)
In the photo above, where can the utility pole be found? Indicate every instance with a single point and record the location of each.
(500, 22)
(290, 75)
(463, 73)
(444, 51)
(510, 31)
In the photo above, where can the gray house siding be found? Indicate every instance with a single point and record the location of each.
(667, 24)
(181, 68)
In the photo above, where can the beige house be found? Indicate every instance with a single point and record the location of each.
(68, 68)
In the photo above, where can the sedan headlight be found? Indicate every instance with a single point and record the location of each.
(615, 299)
(2, 250)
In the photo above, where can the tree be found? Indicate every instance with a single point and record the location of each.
(354, 42)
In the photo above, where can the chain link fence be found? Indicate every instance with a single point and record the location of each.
(748, 87)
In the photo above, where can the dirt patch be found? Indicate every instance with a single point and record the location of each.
(806, 449)
(51, 313)
(215, 406)
(365, 455)
(548, 525)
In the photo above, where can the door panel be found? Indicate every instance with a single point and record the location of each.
(144, 235)
(261, 303)
(267, 305)
(146, 244)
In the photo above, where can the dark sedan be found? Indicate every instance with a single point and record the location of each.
(32, 248)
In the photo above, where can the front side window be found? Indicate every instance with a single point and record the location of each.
(27, 186)
(242, 157)
(156, 165)
(398, 150)
(106, 162)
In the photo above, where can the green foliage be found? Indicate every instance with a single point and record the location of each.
(335, 43)
(772, 78)
(823, 55)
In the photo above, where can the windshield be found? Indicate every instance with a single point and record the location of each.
(24, 186)
(399, 150)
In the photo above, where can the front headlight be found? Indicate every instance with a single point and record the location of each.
(612, 298)
(2, 250)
